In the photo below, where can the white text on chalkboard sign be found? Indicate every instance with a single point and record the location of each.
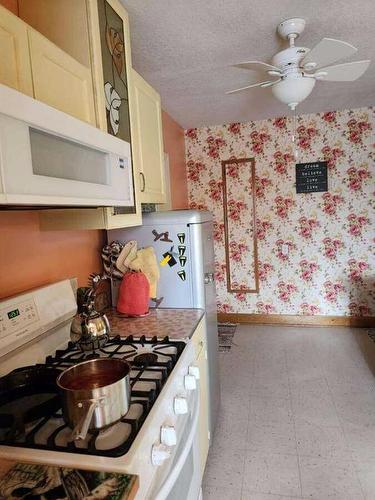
(311, 177)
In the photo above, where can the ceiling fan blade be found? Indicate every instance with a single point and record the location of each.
(328, 51)
(256, 66)
(347, 72)
(258, 84)
(270, 84)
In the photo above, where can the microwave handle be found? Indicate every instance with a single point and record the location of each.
(143, 182)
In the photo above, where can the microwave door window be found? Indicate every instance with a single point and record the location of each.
(53, 156)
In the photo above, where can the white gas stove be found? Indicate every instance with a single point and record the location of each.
(157, 438)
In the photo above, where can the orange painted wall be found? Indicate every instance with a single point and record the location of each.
(11, 5)
(30, 258)
(174, 145)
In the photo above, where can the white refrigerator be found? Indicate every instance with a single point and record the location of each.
(183, 244)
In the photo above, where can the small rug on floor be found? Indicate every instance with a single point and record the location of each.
(226, 333)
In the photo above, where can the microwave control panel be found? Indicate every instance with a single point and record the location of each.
(15, 320)
(123, 162)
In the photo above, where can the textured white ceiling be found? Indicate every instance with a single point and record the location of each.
(185, 48)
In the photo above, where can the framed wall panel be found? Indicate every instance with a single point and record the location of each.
(240, 225)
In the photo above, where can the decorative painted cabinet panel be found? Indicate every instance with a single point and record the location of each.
(109, 33)
(111, 63)
(15, 68)
(116, 94)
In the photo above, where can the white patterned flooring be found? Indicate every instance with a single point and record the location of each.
(297, 418)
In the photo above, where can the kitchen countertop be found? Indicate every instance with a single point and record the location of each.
(176, 323)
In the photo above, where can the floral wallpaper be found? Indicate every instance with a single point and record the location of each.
(316, 250)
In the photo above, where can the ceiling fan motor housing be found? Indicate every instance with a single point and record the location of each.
(288, 60)
(293, 89)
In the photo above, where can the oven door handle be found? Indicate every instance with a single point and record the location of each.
(175, 472)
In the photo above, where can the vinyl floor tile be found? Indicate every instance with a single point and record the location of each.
(297, 418)
(272, 473)
(220, 493)
(323, 478)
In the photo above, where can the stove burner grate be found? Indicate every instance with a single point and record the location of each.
(152, 361)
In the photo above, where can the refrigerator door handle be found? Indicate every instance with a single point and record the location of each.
(208, 278)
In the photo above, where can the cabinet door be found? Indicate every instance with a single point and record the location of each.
(15, 70)
(87, 218)
(200, 345)
(59, 80)
(148, 141)
(116, 217)
(108, 25)
(201, 362)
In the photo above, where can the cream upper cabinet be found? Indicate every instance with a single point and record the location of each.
(110, 52)
(15, 68)
(148, 141)
(34, 65)
(59, 80)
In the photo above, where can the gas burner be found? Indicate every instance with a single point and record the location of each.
(152, 361)
(92, 355)
(145, 359)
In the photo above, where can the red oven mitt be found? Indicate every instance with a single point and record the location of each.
(134, 294)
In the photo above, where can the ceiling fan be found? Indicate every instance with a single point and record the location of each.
(295, 70)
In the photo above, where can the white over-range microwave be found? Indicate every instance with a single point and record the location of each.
(49, 158)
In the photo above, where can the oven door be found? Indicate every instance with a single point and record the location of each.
(183, 480)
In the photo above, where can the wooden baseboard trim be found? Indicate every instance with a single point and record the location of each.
(297, 320)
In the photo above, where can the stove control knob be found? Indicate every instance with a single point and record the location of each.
(159, 454)
(194, 370)
(168, 435)
(180, 405)
(190, 382)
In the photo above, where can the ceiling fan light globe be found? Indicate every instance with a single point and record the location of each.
(293, 90)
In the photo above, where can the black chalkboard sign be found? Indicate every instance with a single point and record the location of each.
(311, 177)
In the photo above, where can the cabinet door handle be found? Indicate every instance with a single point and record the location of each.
(143, 182)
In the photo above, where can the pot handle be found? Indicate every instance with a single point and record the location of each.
(81, 429)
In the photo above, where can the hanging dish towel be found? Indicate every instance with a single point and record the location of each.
(134, 294)
(147, 263)
(127, 254)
